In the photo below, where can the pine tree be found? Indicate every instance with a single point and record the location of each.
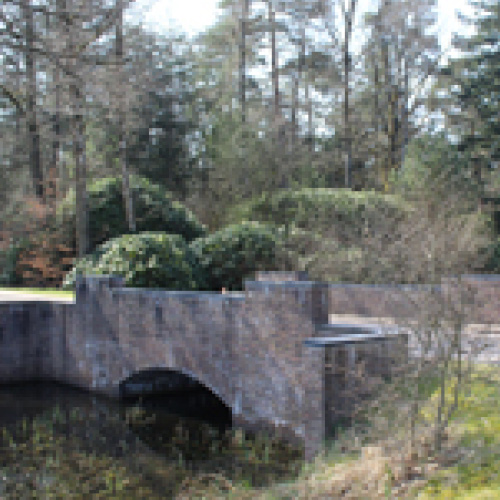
(475, 87)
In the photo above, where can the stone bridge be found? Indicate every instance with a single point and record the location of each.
(265, 353)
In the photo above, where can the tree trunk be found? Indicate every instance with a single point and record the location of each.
(347, 129)
(376, 105)
(57, 148)
(348, 25)
(122, 141)
(295, 105)
(274, 64)
(404, 115)
(296, 87)
(243, 58)
(310, 125)
(56, 135)
(31, 116)
(387, 164)
(80, 171)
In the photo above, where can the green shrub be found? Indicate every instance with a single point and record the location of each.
(9, 257)
(343, 212)
(154, 208)
(235, 252)
(491, 257)
(153, 260)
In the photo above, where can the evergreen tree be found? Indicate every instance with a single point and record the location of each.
(475, 87)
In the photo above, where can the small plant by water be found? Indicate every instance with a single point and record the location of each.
(106, 452)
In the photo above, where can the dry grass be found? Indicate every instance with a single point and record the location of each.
(466, 468)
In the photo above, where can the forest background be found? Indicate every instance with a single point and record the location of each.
(332, 126)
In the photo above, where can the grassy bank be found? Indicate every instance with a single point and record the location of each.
(473, 471)
(50, 459)
(467, 468)
(40, 291)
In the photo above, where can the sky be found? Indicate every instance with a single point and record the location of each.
(193, 16)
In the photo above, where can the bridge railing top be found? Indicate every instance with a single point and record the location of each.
(480, 277)
(283, 284)
(376, 335)
(336, 329)
(159, 293)
(400, 287)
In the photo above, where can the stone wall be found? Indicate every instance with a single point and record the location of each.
(480, 295)
(377, 301)
(285, 375)
(120, 331)
(248, 348)
(32, 336)
(483, 293)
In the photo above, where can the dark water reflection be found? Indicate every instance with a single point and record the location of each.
(190, 430)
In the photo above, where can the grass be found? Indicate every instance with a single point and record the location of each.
(40, 291)
(476, 473)
(467, 468)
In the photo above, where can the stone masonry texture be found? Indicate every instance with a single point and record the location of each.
(247, 348)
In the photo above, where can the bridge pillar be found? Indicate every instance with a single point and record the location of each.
(283, 378)
(94, 333)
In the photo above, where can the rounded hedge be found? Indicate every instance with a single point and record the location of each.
(236, 252)
(350, 213)
(152, 260)
(154, 208)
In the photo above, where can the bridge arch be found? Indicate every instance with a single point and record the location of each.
(162, 381)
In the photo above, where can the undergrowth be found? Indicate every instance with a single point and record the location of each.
(466, 468)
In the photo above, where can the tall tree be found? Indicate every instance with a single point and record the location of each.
(122, 138)
(244, 26)
(401, 57)
(474, 88)
(84, 26)
(339, 21)
(31, 93)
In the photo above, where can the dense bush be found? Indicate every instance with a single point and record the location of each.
(235, 252)
(33, 251)
(9, 256)
(154, 208)
(153, 260)
(436, 169)
(345, 213)
(491, 257)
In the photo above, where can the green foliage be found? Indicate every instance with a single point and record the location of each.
(155, 210)
(492, 258)
(474, 476)
(49, 292)
(234, 253)
(8, 261)
(153, 260)
(322, 210)
(435, 168)
(474, 84)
